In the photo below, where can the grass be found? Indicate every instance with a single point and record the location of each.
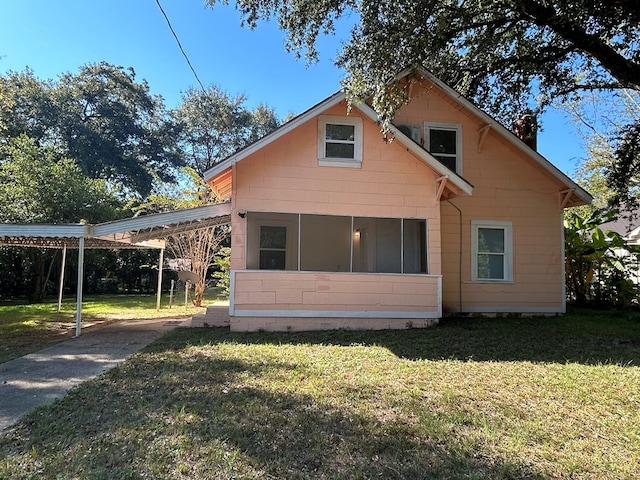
(28, 328)
(478, 399)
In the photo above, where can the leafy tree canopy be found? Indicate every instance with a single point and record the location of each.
(101, 118)
(38, 187)
(216, 125)
(498, 52)
(508, 56)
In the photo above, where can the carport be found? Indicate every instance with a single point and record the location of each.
(145, 231)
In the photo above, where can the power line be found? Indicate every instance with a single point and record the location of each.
(184, 54)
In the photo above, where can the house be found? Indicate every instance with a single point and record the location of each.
(335, 226)
(627, 225)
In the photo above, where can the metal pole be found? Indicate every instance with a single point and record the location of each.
(159, 278)
(64, 262)
(186, 293)
(173, 284)
(79, 291)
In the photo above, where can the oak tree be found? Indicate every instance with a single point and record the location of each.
(102, 118)
(506, 55)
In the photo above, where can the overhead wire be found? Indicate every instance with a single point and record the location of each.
(184, 54)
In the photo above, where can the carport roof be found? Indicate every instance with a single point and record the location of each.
(145, 231)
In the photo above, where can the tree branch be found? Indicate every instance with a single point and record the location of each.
(621, 68)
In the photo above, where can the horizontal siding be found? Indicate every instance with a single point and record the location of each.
(259, 290)
(508, 186)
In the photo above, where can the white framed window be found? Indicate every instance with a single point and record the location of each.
(444, 142)
(339, 141)
(491, 251)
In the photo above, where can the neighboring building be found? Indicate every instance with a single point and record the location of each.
(628, 227)
(334, 226)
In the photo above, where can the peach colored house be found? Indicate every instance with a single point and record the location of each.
(334, 226)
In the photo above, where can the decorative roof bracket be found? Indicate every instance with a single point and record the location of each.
(442, 182)
(565, 196)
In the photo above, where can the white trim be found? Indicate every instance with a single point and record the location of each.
(507, 227)
(232, 292)
(418, 275)
(452, 127)
(352, 121)
(79, 286)
(504, 132)
(335, 314)
(283, 130)
(412, 146)
(419, 152)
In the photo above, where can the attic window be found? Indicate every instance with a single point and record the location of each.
(444, 142)
(339, 141)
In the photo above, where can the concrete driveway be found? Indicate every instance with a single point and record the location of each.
(41, 377)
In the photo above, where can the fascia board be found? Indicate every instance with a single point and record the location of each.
(44, 230)
(420, 152)
(283, 130)
(508, 135)
(160, 219)
(633, 238)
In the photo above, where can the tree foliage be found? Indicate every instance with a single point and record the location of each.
(197, 246)
(597, 262)
(498, 52)
(624, 174)
(216, 125)
(36, 186)
(508, 56)
(102, 118)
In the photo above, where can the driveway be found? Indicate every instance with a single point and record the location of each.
(41, 377)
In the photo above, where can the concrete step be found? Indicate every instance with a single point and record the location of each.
(214, 316)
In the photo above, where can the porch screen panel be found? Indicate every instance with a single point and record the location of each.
(377, 245)
(272, 241)
(415, 246)
(273, 247)
(325, 243)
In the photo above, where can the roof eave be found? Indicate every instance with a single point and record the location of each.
(420, 152)
(582, 195)
(279, 132)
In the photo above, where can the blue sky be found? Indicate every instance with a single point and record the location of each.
(56, 37)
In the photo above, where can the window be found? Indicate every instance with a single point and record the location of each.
(444, 142)
(339, 141)
(335, 243)
(272, 241)
(325, 243)
(273, 247)
(491, 251)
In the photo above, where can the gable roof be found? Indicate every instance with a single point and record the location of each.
(221, 171)
(579, 195)
(220, 174)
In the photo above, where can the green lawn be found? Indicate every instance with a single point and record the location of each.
(27, 328)
(476, 399)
